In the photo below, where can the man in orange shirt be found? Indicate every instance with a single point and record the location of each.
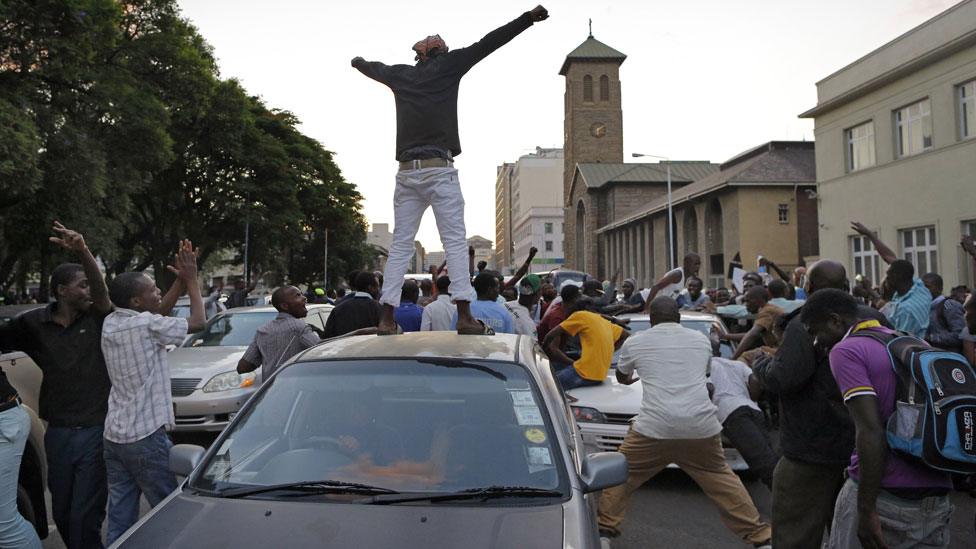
(598, 340)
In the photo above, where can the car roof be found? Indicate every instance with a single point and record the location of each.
(14, 310)
(691, 316)
(271, 309)
(503, 347)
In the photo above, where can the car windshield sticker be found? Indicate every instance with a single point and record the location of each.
(528, 415)
(539, 456)
(535, 435)
(522, 398)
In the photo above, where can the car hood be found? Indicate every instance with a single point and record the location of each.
(188, 521)
(203, 361)
(610, 397)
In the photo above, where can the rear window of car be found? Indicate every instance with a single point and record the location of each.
(235, 329)
(411, 425)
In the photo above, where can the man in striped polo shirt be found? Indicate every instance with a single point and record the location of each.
(140, 405)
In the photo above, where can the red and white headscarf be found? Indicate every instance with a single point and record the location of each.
(427, 45)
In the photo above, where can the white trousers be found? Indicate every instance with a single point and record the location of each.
(416, 190)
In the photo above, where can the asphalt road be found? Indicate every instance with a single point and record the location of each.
(671, 511)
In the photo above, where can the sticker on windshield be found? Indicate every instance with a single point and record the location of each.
(528, 415)
(539, 456)
(522, 398)
(535, 435)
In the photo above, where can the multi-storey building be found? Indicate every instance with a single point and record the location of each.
(896, 150)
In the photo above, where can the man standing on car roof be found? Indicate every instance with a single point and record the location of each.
(427, 142)
(64, 339)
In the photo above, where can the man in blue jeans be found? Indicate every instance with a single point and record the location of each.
(15, 531)
(140, 406)
(64, 339)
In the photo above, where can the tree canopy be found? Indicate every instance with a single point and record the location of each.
(115, 120)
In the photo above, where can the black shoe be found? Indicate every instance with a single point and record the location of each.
(768, 544)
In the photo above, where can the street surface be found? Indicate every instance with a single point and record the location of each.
(671, 511)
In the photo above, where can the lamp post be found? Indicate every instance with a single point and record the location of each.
(670, 213)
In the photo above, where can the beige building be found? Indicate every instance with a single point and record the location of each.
(896, 150)
(528, 210)
(380, 236)
(761, 202)
(504, 248)
(482, 250)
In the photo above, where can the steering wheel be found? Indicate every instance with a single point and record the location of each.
(330, 443)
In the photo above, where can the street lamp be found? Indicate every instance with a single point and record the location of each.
(670, 213)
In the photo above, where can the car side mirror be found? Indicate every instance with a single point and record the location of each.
(603, 470)
(184, 458)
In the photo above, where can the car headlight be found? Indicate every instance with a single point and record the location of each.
(588, 415)
(229, 380)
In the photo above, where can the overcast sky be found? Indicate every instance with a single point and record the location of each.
(703, 79)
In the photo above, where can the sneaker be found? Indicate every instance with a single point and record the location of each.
(768, 544)
(604, 542)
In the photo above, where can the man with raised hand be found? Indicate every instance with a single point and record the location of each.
(427, 142)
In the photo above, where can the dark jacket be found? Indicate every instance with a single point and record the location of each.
(947, 319)
(426, 93)
(815, 426)
(353, 313)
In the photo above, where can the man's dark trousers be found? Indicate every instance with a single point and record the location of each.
(803, 502)
(77, 481)
(746, 428)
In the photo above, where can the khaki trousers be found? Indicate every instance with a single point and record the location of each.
(704, 461)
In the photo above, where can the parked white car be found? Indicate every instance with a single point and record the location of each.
(604, 412)
(207, 390)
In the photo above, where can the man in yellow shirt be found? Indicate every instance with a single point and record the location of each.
(598, 340)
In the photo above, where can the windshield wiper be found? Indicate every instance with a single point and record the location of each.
(487, 492)
(309, 487)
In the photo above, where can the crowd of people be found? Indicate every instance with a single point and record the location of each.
(107, 402)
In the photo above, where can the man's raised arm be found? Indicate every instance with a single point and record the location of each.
(500, 36)
(373, 69)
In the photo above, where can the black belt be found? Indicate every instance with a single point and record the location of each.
(425, 163)
(9, 404)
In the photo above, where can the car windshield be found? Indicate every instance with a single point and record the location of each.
(414, 426)
(234, 329)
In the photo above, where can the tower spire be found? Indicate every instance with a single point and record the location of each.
(591, 28)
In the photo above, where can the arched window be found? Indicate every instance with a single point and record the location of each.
(581, 236)
(604, 88)
(588, 88)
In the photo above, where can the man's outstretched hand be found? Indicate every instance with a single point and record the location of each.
(357, 60)
(539, 13)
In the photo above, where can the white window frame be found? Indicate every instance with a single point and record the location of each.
(966, 96)
(548, 246)
(920, 246)
(547, 227)
(969, 277)
(865, 260)
(904, 121)
(783, 214)
(858, 136)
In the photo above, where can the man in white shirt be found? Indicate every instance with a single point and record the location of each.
(522, 309)
(437, 315)
(742, 420)
(140, 406)
(677, 423)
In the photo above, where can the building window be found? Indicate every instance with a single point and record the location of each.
(784, 213)
(548, 245)
(548, 228)
(913, 128)
(969, 276)
(918, 245)
(860, 147)
(967, 109)
(866, 260)
(604, 88)
(588, 88)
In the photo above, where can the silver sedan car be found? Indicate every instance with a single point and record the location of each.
(207, 390)
(425, 439)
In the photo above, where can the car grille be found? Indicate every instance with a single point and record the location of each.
(183, 386)
(619, 419)
(609, 443)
